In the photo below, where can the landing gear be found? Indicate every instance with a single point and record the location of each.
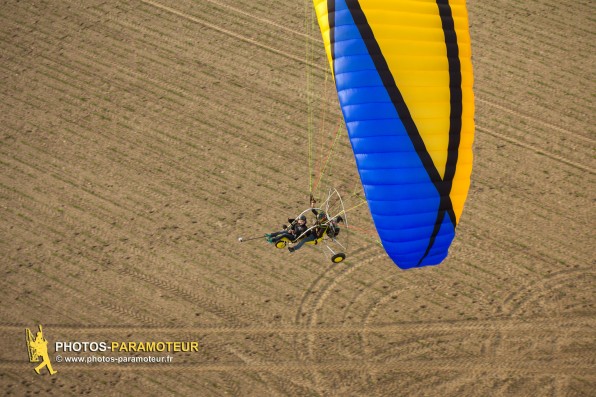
(281, 244)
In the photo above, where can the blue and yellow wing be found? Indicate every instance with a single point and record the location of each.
(403, 74)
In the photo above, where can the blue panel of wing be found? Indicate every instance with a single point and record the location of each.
(403, 200)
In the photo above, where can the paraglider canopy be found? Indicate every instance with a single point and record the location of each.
(403, 75)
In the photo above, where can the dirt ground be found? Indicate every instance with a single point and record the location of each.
(139, 139)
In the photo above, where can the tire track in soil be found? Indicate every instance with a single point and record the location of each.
(324, 287)
(209, 304)
(157, 284)
(264, 375)
(367, 328)
(479, 366)
(527, 294)
(500, 136)
(430, 346)
(249, 361)
(220, 291)
(91, 303)
(496, 332)
(534, 120)
(576, 323)
(412, 346)
(172, 41)
(512, 239)
(303, 310)
(138, 77)
(231, 34)
(558, 158)
(320, 280)
(310, 290)
(142, 190)
(82, 297)
(267, 21)
(229, 314)
(466, 278)
(537, 150)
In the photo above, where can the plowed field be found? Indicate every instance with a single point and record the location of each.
(139, 139)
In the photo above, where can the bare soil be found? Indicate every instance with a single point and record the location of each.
(139, 139)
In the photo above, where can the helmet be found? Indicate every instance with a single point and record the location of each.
(322, 216)
(302, 218)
